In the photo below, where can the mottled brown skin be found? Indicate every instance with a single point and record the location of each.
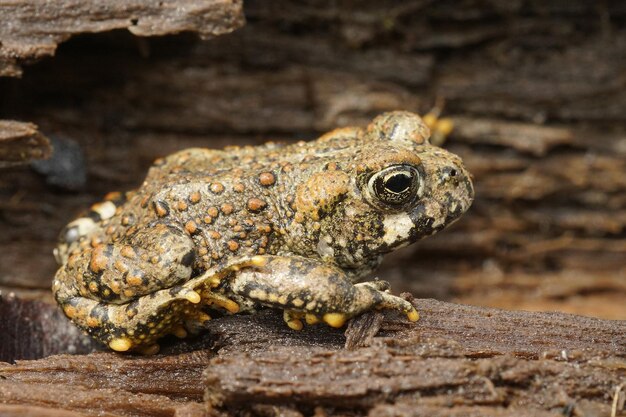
(290, 227)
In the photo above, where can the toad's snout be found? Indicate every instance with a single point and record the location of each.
(459, 191)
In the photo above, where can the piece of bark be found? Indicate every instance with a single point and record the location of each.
(11, 410)
(21, 143)
(362, 329)
(30, 30)
(454, 356)
(173, 376)
(416, 409)
(428, 369)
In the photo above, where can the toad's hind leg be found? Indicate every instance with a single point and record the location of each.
(139, 324)
(129, 289)
(308, 288)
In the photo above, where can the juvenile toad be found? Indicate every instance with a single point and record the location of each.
(284, 226)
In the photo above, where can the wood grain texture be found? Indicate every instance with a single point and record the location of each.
(31, 30)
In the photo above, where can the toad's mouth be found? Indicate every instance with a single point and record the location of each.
(403, 229)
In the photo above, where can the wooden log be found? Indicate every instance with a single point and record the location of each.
(456, 358)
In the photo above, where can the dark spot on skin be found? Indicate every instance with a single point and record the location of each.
(449, 174)
(423, 224)
(452, 201)
(100, 312)
(175, 290)
(188, 258)
(94, 215)
(392, 132)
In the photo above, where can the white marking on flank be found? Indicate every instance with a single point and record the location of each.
(83, 225)
(106, 209)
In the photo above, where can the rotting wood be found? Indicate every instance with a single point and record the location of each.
(21, 143)
(480, 360)
(503, 363)
(30, 30)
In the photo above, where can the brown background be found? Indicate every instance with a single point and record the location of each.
(537, 91)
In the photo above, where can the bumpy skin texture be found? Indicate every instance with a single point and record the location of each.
(290, 227)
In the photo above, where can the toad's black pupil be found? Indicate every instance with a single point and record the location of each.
(398, 183)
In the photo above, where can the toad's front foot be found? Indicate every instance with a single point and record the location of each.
(308, 289)
(383, 300)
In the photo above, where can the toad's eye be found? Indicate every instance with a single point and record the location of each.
(395, 185)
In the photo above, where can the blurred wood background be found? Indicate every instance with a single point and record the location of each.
(537, 92)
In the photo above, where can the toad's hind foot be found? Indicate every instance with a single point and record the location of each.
(139, 324)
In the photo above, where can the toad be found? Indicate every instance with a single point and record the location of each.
(292, 227)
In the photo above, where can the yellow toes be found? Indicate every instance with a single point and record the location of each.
(311, 319)
(335, 319)
(120, 344)
(292, 320)
(221, 301)
(202, 317)
(191, 296)
(231, 306)
(413, 315)
(258, 261)
(295, 324)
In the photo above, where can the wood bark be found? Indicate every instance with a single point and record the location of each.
(31, 30)
(21, 143)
